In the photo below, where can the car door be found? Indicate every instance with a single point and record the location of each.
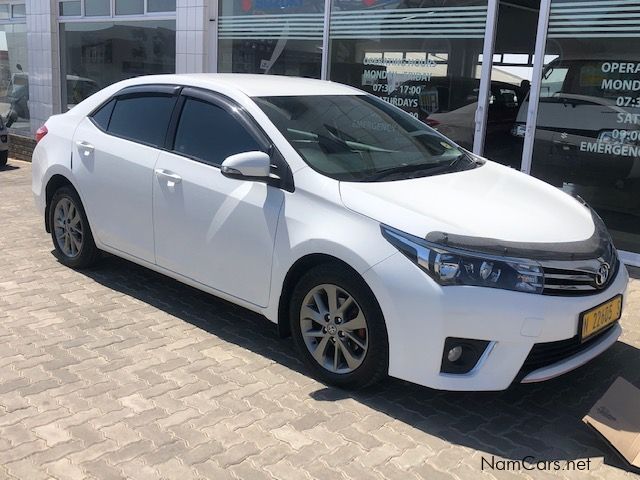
(115, 151)
(215, 230)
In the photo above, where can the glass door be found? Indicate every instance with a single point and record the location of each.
(511, 74)
(423, 57)
(587, 134)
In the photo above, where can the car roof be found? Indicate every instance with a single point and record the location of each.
(253, 85)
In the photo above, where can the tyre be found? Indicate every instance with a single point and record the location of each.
(338, 327)
(70, 231)
(4, 156)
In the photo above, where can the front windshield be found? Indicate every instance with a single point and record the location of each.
(361, 138)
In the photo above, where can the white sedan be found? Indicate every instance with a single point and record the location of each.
(377, 243)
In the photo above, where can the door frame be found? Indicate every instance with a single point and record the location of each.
(212, 39)
(534, 92)
(481, 116)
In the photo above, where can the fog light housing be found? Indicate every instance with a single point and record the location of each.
(461, 355)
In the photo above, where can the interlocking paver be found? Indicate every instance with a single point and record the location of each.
(52, 433)
(102, 470)
(121, 433)
(202, 453)
(118, 372)
(210, 469)
(284, 470)
(64, 469)
(137, 403)
(25, 469)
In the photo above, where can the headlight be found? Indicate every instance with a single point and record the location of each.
(621, 137)
(519, 130)
(449, 266)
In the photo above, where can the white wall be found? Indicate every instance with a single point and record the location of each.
(44, 60)
(192, 44)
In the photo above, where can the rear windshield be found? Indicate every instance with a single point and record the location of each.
(362, 138)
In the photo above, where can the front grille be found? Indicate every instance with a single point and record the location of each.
(580, 277)
(545, 354)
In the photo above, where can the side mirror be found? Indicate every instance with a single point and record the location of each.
(247, 165)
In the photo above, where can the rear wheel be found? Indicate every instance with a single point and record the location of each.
(70, 231)
(338, 327)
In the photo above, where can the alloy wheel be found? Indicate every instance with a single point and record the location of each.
(334, 329)
(68, 228)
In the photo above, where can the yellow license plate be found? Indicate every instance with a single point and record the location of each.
(600, 317)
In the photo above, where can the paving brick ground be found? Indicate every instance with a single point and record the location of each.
(119, 372)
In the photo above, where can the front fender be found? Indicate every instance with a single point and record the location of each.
(318, 223)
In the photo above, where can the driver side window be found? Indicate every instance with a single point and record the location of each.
(210, 134)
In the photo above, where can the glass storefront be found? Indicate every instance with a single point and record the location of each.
(281, 37)
(97, 54)
(587, 137)
(423, 57)
(14, 77)
(428, 57)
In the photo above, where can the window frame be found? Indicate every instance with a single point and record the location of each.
(17, 18)
(228, 106)
(280, 167)
(99, 109)
(168, 14)
(283, 178)
(137, 91)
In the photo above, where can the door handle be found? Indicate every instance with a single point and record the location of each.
(170, 177)
(85, 148)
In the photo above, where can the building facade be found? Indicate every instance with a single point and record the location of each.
(550, 87)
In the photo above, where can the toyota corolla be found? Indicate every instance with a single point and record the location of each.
(378, 244)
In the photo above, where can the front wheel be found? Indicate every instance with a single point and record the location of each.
(338, 327)
(70, 231)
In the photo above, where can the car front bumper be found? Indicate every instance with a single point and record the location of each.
(420, 315)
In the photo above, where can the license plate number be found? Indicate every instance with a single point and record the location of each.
(600, 317)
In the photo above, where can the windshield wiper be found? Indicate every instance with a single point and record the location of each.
(414, 167)
(431, 168)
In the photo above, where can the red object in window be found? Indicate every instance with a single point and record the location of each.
(432, 122)
(41, 132)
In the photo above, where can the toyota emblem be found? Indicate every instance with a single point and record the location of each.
(602, 274)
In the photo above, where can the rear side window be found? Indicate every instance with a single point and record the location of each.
(102, 116)
(142, 118)
(209, 133)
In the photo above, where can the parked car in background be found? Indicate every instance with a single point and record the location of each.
(588, 128)
(379, 244)
(79, 88)
(449, 105)
(457, 121)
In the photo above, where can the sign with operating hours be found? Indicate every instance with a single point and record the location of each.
(400, 81)
(621, 93)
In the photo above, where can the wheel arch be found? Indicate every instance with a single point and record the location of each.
(55, 182)
(294, 274)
